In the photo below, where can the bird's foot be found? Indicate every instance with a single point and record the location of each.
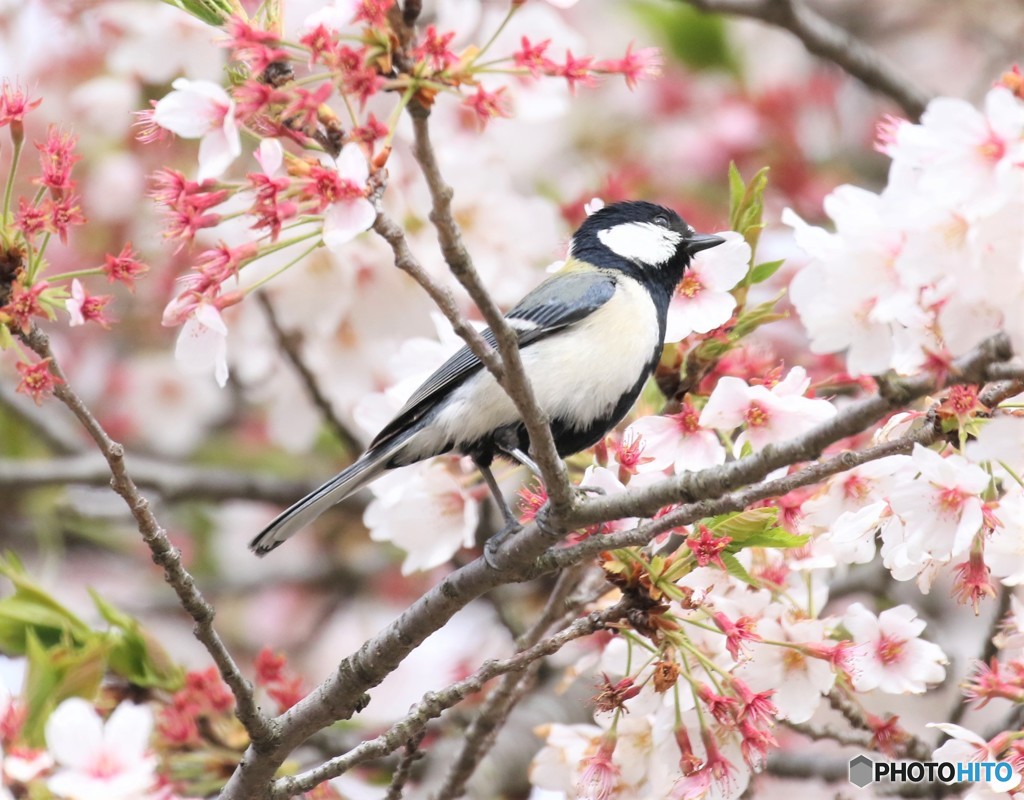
(495, 543)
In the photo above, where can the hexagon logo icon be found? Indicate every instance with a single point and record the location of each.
(862, 771)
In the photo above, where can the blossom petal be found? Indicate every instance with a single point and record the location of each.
(74, 732)
(345, 220)
(128, 730)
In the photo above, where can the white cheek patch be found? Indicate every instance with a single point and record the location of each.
(641, 241)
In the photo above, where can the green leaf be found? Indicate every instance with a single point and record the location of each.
(775, 537)
(735, 568)
(752, 319)
(741, 525)
(212, 12)
(30, 609)
(55, 674)
(134, 654)
(764, 271)
(737, 188)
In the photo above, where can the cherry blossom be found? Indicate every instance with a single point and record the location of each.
(83, 307)
(352, 213)
(677, 441)
(99, 760)
(701, 301)
(965, 155)
(941, 510)
(202, 344)
(37, 379)
(202, 110)
(418, 498)
(799, 680)
(891, 656)
(965, 745)
(767, 415)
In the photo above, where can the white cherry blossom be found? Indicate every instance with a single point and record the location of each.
(99, 760)
(347, 218)
(424, 510)
(892, 657)
(767, 415)
(701, 301)
(202, 110)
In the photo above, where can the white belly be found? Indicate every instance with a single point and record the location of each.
(578, 374)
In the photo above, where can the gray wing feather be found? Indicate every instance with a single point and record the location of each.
(563, 299)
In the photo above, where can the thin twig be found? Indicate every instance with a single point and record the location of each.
(170, 480)
(433, 704)
(410, 756)
(817, 733)
(834, 44)
(290, 348)
(391, 232)
(261, 729)
(514, 380)
(482, 732)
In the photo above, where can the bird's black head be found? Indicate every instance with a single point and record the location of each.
(647, 240)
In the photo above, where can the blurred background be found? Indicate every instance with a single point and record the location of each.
(218, 464)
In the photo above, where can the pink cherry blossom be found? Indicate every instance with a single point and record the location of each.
(351, 215)
(99, 760)
(965, 745)
(202, 110)
(767, 415)
(701, 301)
(892, 657)
(941, 509)
(677, 441)
(963, 154)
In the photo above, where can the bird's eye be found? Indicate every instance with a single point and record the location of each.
(661, 220)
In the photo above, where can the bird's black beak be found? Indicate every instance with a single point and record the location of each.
(702, 241)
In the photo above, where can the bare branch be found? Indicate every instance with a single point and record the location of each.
(290, 348)
(514, 381)
(817, 733)
(170, 480)
(410, 756)
(894, 393)
(391, 232)
(829, 41)
(165, 555)
(435, 703)
(480, 736)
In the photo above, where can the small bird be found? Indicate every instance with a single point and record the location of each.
(589, 337)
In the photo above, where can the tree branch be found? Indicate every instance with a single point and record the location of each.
(832, 43)
(894, 393)
(290, 348)
(480, 736)
(391, 232)
(170, 480)
(342, 694)
(434, 703)
(514, 380)
(164, 554)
